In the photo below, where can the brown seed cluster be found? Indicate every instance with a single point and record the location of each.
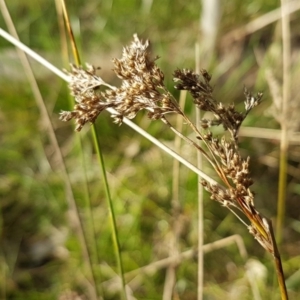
(224, 155)
(233, 165)
(142, 84)
(234, 168)
(142, 88)
(201, 91)
(89, 101)
(197, 85)
(223, 196)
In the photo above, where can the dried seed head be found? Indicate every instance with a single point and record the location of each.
(201, 92)
(224, 196)
(142, 88)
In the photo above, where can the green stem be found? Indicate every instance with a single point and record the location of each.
(89, 233)
(286, 96)
(281, 194)
(111, 212)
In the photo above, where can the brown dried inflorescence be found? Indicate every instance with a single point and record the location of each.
(142, 88)
(89, 102)
(201, 91)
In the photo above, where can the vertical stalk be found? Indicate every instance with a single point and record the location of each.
(286, 46)
(277, 261)
(111, 213)
(102, 167)
(90, 231)
(200, 198)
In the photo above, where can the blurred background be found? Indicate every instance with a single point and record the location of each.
(240, 44)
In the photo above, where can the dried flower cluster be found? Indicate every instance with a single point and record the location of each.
(90, 103)
(142, 89)
(201, 91)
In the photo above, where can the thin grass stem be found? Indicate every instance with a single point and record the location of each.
(79, 139)
(102, 166)
(90, 228)
(278, 263)
(112, 216)
(200, 288)
(283, 164)
(70, 32)
(34, 55)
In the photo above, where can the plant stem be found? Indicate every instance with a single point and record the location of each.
(286, 45)
(111, 213)
(102, 166)
(90, 226)
(278, 264)
(200, 271)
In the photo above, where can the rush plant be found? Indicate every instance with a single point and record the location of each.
(143, 88)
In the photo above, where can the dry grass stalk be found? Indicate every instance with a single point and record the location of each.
(143, 88)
